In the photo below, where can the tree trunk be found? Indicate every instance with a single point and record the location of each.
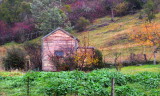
(154, 62)
(145, 57)
(154, 53)
(112, 14)
(112, 87)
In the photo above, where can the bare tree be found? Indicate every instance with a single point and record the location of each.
(112, 5)
(34, 52)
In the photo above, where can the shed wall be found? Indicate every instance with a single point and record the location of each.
(57, 41)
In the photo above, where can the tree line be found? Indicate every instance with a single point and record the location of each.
(29, 16)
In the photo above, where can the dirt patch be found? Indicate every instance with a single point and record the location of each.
(97, 26)
(119, 39)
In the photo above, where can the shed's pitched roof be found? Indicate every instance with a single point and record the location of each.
(62, 31)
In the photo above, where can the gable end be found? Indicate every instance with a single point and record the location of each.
(63, 32)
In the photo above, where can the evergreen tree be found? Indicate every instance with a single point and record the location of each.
(48, 16)
(11, 10)
(149, 10)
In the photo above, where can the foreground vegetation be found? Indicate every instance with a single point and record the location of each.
(145, 81)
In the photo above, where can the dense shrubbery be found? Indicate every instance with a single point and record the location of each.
(136, 4)
(97, 82)
(18, 32)
(33, 50)
(15, 59)
(122, 9)
(82, 24)
(98, 55)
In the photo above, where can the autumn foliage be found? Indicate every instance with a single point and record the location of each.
(147, 34)
(16, 31)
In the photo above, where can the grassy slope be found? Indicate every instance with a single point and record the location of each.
(109, 36)
(114, 36)
(138, 69)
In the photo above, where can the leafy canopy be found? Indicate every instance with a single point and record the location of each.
(48, 15)
(12, 10)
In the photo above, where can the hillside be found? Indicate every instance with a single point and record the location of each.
(109, 36)
(113, 36)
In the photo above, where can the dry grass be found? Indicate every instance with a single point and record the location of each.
(102, 37)
(11, 73)
(108, 38)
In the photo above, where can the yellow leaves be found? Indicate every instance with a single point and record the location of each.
(86, 58)
(148, 34)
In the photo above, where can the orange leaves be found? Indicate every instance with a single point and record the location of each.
(85, 57)
(146, 34)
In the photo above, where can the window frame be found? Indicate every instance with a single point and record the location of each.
(55, 53)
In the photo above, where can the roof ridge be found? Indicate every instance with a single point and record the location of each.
(59, 28)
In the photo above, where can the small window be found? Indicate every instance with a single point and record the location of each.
(59, 53)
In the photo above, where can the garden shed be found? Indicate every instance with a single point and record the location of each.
(57, 43)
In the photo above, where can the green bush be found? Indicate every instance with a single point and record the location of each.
(136, 4)
(127, 91)
(82, 24)
(122, 9)
(15, 59)
(149, 10)
(98, 55)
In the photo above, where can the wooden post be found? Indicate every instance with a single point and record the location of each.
(154, 62)
(154, 53)
(28, 87)
(28, 63)
(112, 88)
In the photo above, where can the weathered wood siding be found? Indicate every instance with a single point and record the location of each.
(58, 40)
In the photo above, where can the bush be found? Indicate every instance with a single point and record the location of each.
(64, 64)
(34, 52)
(149, 10)
(82, 24)
(15, 59)
(70, 63)
(134, 59)
(127, 91)
(98, 55)
(122, 9)
(136, 4)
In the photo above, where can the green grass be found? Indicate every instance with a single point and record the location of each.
(124, 70)
(141, 80)
(138, 69)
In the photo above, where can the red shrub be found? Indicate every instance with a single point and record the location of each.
(16, 31)
(3, 28)
(90, 9)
